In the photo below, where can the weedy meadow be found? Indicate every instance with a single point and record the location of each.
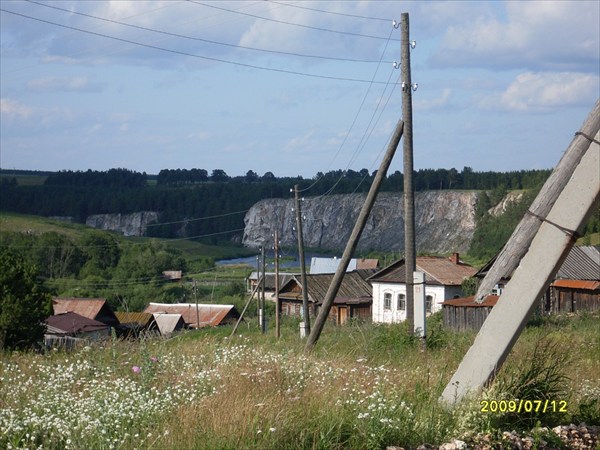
(365, 387)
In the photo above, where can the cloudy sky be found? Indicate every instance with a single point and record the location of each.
(291, 87)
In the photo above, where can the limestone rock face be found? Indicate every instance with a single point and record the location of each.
(133, 224)
(444, 221)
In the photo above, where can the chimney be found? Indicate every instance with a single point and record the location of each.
(454, 258)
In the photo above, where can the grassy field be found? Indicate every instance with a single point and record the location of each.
(363, 387)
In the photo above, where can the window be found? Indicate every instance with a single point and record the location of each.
(401, 306)
(387, 301)
(428, 303)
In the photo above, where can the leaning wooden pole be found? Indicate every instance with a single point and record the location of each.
(354, 238)
(517, 245)
(254, 291)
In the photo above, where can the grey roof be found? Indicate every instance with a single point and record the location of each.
(582, 263)
(329, 265)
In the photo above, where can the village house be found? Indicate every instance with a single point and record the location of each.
(443, 280)
(353, 299)
(69, 329)
(576, 287)
(269, 286)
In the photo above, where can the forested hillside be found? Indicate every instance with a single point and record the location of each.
(217, 198)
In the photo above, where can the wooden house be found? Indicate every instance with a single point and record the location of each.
(352, 301)
(443, 281)
(252, 280)
(69, 329)
(576, 287)
(465, 313)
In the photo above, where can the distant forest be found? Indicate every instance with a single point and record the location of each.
(215, 202)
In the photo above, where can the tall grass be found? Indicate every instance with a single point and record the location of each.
(364, 386)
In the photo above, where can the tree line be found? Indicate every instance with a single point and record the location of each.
(183, 196)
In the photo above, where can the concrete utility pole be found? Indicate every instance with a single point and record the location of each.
(508, 259)
(277, 304)
(305, 311)
(354, 238)
(409, 196)
(556, 235)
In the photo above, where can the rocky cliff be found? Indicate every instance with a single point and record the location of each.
(133, 224)
(445, 221)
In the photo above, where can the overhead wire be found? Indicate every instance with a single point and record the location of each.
(357, 16)
(208, 41)
(347, 33)
(359, 148)
(192, 55)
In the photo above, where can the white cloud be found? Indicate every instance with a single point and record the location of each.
(549, 35)
(534, 91)
(11, 109)
(440, 102)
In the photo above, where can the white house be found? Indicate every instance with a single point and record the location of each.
(443, 279)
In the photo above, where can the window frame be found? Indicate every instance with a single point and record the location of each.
(387, 301)
(401, 302)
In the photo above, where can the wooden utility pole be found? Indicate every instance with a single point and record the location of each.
(305, 311)
(277, 304)
(354, 238)
(510, 256)
(409, 196)
(550, 246)
(258, 281)
(196, 300)
(263, 321)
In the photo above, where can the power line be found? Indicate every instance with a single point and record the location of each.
(177, 52)
(347, 33)
(359, 148)
(328, 12)
(208, 41)
(197, 219)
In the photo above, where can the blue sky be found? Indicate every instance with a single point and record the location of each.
(102, 84)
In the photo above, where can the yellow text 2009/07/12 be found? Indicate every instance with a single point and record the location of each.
(524, 406)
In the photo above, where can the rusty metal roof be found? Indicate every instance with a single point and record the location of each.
(469, 302)
(209, 314)
(578, 284)
(92, 308)
(140, 318)
(437, 269)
